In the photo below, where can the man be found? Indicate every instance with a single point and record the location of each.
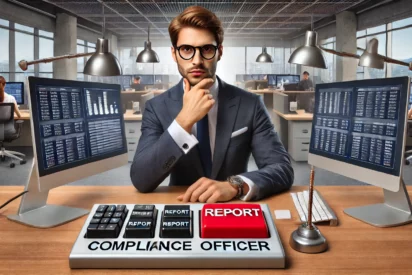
(203, 130)
(136, 84)
(305, 84)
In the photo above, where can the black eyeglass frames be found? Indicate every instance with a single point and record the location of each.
(187, 52)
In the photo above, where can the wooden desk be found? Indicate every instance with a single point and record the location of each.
(24, 116)
(354, 247)
(305, 116)
(129, 116)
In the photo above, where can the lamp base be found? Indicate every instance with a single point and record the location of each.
(308, 240)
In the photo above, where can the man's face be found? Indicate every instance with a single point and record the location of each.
(305, 76)
(196, 68)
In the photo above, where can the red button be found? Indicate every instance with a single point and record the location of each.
(233, 221)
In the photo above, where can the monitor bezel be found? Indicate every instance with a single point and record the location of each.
(22, 91)
(71, 172)
(366, 175)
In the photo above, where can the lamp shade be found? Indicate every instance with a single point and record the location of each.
(264, 57)
(309, 54)
(102, 62)
(370, 57)
(147, 55)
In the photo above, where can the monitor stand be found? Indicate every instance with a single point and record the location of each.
(34, 210)
(396, 209)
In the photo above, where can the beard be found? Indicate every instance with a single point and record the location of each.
(209, 72)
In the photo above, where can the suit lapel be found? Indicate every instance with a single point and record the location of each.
(226, 117)
(174, 103)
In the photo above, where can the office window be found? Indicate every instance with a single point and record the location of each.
(24, 49)
(231, 64)
(401, 50)
(166, 65)
(4, 50)
(46, 75)
(46, 34)
(360, 33)
(80, 60)
(46, 50)
(376, 29)
(402, 23)
(4, 22)
(23, 28)
(6, 76)
(21, 77)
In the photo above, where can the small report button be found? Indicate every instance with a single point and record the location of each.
(233, 221)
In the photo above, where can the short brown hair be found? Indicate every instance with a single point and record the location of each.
(196, 17)
(2, 80)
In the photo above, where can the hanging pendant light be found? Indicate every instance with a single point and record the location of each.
(370, 57)
(147, 55)
(309, 54)
(102, 62)
(264, 57)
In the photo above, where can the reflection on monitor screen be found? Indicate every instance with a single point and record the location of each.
(286, 79)
(271, 79)
(16, 89)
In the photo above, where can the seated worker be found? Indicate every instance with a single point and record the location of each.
(305, 84)
(6, 98)
(136, 84)
(202, 131)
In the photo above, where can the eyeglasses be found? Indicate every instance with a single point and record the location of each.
(187, 52)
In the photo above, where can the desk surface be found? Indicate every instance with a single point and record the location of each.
(305, 116)
(354, 247)
(128, 116)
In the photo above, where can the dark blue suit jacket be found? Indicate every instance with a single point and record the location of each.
(158, 155)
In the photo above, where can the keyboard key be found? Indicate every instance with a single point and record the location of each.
(120, 215)
(176, 211)
(109, 215)
(143, 207)
(176, 228)
(143, 228)
(233, 221)
(95, 221)
(98, 215)
(115, 220)
(141, 214)
(112, 231)
(111, 208)
(121, 208)
(102, 208)
(105, 220)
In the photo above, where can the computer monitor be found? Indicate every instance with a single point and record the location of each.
(272, 80)
(16, 89)
(358, 131)
(283, 79)
(78, 131)
(146, 79)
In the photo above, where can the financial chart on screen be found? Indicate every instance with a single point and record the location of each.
(76, 125)
(361, 123)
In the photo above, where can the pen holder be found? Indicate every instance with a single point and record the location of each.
(308, 239)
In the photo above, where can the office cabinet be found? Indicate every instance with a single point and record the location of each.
(133, 133)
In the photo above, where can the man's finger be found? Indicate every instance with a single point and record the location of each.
(214, 198)
(187, 85)
(206, 195)
(205, 83)
(199, 191)
(180, 197)
(193, 187)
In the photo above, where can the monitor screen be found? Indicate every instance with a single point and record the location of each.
(287, 79)
(75, 123)
(16, 89)
(361, 123)
(271, 79)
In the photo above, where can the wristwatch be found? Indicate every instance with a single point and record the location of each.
(237, 182)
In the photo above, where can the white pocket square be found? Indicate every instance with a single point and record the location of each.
(238, 132)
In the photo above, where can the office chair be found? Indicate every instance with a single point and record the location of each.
(8, 133)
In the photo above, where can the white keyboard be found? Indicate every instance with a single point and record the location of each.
(321, 212)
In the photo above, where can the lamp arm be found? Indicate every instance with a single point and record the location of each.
(391, 60)
(23, 64)
(344, 54)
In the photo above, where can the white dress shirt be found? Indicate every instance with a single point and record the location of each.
(181, 137)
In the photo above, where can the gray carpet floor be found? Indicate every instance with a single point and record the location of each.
(120, 176)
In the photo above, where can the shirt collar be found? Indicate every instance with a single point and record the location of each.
(214, 90)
